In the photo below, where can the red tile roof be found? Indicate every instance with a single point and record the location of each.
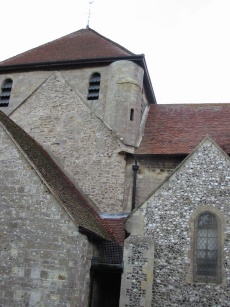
(82, 44)
(118, 228)
(178, 129)
(73, 200)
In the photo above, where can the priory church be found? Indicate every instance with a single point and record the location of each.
(108, 199)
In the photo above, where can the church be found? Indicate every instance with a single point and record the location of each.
(108, 199)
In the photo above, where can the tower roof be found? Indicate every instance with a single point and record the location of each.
(82, 44)
(82, 48)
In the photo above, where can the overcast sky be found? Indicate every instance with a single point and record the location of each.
(185, 42)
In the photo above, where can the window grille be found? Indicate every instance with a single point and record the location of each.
(94, 87)
(207, 248)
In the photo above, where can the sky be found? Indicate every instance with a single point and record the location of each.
(185, 42)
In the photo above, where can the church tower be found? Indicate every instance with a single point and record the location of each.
(84, 98)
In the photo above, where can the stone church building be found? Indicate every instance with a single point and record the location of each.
(107, 198)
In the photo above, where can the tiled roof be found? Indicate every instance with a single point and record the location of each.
(179, 128)
(118, 228)
(82, 44)
(68, 195)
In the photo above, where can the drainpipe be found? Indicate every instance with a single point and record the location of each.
(135, 168)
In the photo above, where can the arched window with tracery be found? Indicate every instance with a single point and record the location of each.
(207, 253)
(5, 93)
(94, 86)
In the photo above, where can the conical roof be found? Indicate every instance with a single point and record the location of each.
(82, 44)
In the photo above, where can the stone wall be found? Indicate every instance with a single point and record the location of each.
(86, 136)
(78, 80)
(60, 119)
(44, 260)
(201, 182)
(137, 277)
(24, 84)
(124, 100)
(153, 169)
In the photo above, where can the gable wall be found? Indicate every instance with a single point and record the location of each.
(53, 108)
(201, 182)
(61, 121)
(44, 261)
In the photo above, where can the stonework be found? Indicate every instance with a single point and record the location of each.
(201, 181)
(124, 96)
(60, 120)
(44, 259)
(87, 137)
(78, 80)
(152, 171)
(137, 277)
(24, 84)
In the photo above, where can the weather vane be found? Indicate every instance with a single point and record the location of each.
(90, 4)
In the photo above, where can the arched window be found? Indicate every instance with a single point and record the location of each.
(207, 253)
(94, 86)
(5, 93)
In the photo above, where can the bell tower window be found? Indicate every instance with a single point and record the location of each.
(94, 86)
(5, 93)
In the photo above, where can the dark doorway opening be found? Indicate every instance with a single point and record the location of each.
(105, 288)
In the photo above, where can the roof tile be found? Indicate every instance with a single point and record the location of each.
(82, 44)
(179, 128)
(118, 228)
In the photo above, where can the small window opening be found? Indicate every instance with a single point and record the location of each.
(131, 114)
(94, 87)
(5, 93)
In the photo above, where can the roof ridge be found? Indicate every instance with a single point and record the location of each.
(73, 201)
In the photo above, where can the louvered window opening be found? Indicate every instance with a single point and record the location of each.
(94, 87)
(5, 93)
(207, 249)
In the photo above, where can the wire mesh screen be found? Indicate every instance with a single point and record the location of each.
(110, 253)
